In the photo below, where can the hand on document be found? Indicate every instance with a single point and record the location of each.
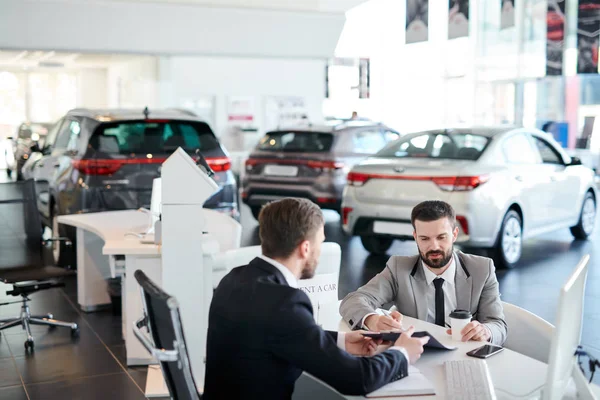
(359, 345)
(390, 321)
(413, 346)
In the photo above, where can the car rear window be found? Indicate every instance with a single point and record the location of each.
(455, 146)
(291, 141)
(126, 137)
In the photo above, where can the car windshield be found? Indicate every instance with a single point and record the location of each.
(454, 146)
(294, 141)
(162, 136)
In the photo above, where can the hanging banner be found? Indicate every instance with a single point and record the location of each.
(588, 31)
(458, 19)
(555, 36)
(507, 14)
(417, 21)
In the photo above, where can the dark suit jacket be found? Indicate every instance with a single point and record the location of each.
(262, 335)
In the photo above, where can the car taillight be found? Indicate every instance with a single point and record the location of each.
(97, 167)
(460, 183)
(357, 179)
(345, 212)
(446, 183)
(219, 164)
(109, 166)
(463, 223)
(325, 164)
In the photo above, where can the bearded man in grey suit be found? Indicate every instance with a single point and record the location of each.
(431, 285)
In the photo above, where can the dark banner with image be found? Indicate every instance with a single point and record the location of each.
(555, 37)
(588, 31)
(458, 18)
(507, 14)
(417, 21)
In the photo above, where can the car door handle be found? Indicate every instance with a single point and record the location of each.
(519, 178)
(39, 165)
(56, 164)
(553, 178)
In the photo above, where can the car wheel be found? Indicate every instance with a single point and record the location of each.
(510, 241)
(376, 244)
(60, 251)
(255, 211)
(587, 218)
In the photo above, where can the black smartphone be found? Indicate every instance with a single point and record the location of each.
(485, 351)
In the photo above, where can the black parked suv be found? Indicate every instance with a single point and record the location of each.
(99, 160)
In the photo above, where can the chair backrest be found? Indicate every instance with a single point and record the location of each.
(163, 320)
(225, 261)
(226, 230)
(527, 333)
(20, 225)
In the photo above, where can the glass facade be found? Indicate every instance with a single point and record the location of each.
(496, 75)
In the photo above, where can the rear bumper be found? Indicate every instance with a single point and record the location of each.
(96, 199)
(258, 196)
(364, 227)
(481, 218)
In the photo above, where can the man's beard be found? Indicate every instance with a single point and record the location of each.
(308, 272)
(439, 262)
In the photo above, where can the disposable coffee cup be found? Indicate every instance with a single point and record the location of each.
(458, 320)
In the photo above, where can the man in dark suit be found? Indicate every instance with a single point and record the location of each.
(262, 333)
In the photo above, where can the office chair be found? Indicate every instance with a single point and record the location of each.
(162, 319)
(21, 257)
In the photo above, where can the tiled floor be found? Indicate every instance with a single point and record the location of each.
(93, 366)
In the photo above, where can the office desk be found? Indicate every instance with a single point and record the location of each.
(100, 238)
(514, 375)
(95, 232)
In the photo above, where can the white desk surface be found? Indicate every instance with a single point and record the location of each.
(514, 375)
(112, 227)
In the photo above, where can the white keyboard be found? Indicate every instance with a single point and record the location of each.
(468, 380)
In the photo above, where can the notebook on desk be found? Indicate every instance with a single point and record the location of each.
(415, 384)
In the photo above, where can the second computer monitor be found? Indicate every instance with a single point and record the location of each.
(567, 333)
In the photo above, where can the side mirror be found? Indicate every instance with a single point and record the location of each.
(575, 161)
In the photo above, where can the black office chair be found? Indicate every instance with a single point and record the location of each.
(22, 259)
(162, 319)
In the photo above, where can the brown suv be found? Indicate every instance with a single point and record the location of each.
(310, 162)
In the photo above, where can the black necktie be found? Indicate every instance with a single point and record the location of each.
(440, 317)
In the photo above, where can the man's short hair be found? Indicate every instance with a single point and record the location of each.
(284, 224)
(432, 210)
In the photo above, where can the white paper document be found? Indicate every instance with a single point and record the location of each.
(415, 384)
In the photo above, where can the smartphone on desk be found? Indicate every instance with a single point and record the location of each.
(485, 351)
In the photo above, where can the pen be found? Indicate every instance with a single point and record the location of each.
(388, 313)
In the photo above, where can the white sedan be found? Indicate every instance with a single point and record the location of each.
(505, 184)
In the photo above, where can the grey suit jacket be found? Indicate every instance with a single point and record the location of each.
(403, 283)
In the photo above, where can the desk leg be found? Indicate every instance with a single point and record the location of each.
(92, 271)
(152, 267)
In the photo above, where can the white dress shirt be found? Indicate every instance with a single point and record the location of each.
(448, 287)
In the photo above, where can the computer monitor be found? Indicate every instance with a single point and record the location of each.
(567, 333)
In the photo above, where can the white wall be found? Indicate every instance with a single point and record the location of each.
(190, 77)
(92, 88)
(133, 83)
